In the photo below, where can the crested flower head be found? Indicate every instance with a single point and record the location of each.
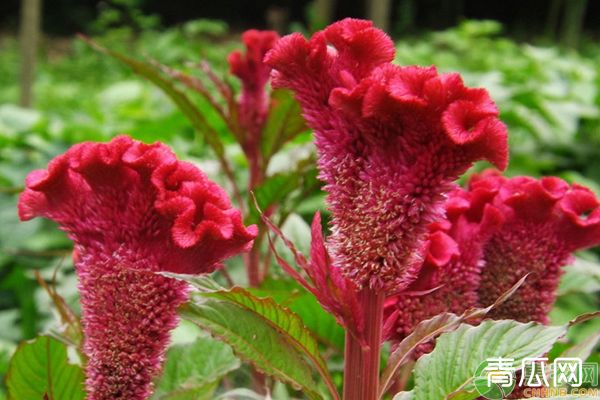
(133, 210)
(450, 275)
(254, 75)
(390, 140)
(545, 221)
(496, 232)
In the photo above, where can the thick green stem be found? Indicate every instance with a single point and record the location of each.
(361, 368)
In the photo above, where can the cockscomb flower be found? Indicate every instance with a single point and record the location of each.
(390, 141)
(450, 275)
(254, 75)
(253, 104)
(497, 231)
(545, 221)
(133, 210)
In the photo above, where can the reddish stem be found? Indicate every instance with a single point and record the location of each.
(255, 277)
(361, 368)
(253, 264)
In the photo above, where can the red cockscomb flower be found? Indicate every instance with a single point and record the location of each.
(496, 232)
(545, 221)
(390, 141)
(133, 210)
(253, 106)
(254, 75)
(450, 275)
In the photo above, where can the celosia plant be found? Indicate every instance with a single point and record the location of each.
(501, 229)
(133, 210)
(545, 221)
(391, 140)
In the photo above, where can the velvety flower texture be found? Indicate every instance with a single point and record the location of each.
(132, 210)
(390, 141)
(254, 75)
(545, 221)
(499, 230)
(451, 272)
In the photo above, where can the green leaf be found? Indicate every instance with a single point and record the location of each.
(272, 318)
(432, 328)
(289, 293)
(272, 191)
(584, 349)
(275, 189)
(283, 123)
(193, 371)
(404, 396)
(40, 368)
(457, 354)
(279, 317)
(254, 340)
(582, 276)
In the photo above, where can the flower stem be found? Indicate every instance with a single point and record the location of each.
(253, 264)
(362, 357)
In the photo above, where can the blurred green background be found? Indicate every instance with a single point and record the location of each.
(542, 68)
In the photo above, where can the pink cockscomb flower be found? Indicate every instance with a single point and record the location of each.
(545, 221)
(390, 141)
(133, 210)
(450, 275)
(253, 106)
(497, 231)
(254, 75)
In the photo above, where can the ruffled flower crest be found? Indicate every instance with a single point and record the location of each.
(498, 230)
(133, 210)
(546, 220)
(390, 141)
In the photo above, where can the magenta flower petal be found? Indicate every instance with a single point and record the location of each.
(133, 210)
(390, 141)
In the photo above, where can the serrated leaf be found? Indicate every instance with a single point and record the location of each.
(283, 123)
(453, 362)
(254, 340)
(40, 368)
(286, 323)
(432, 328)
(192, 371)
(303, 303)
